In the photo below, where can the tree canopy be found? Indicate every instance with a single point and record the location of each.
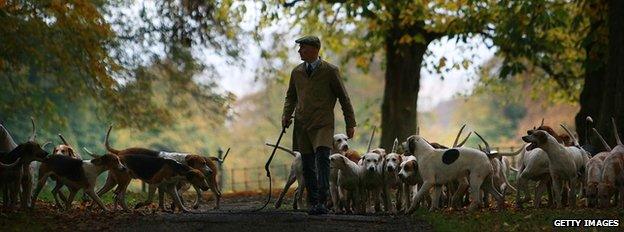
(64, 51)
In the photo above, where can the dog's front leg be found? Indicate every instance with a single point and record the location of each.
(557, 190)
(385, 196)
(96, 198)
(14, 192)
(14, 185)
(70, 198)
(359, 204)
(407, 195)
(55, 194)
(197, 197)
(377, 198)
(43, 177)
(335, 197)
(216, 192)
(421, 192)
(475, 191)
(161, 198)
(435, 198)
(539, 191)
(26, 187)
(173, 192)
(110, 184)
(522, 187)
(399, 197)
(122, 187)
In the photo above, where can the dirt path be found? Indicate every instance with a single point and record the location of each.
(230, 218)
(233, 216)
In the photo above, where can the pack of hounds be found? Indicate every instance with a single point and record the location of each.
(418, 173)
(415, 173)
(168, 172)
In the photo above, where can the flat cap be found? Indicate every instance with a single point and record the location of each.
(309, 40)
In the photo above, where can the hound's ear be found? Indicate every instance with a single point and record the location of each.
(71, 152)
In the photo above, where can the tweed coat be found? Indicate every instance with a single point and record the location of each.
(312, 99)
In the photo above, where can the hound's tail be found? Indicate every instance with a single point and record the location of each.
(283, 149)
(588, 124)
(221, 161)
(508, 165)
(108, 147)
(514, 153)
(520, 160)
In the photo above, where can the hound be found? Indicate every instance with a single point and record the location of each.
(348, 184)
(172, 172)
(62, 149)
(76, 174)
(372, 177)
(164, 173)
(564, 163)
(66, 149)
(533, 165)
(441, 166)
(595, 167)
(612, 179)
(499, 174)
(193, 161)
(211, 179)
(391, 168)
(15, 177)
(341, 146)
(410, 178)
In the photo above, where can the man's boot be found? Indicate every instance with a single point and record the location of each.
(322, 164)
(311, 183)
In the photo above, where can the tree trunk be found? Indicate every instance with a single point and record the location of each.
(595, 70)
(613, 98)
(402, 83)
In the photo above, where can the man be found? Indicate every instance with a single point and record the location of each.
(312, 92)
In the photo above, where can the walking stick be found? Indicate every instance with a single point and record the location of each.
(268, 171)
(370, 141)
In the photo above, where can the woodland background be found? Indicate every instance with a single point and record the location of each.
(78, 66)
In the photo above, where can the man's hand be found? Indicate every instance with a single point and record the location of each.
(286, 121)
(350, 132)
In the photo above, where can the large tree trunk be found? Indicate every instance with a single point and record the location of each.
(402, 82)
(613, 98)
(595, 70)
